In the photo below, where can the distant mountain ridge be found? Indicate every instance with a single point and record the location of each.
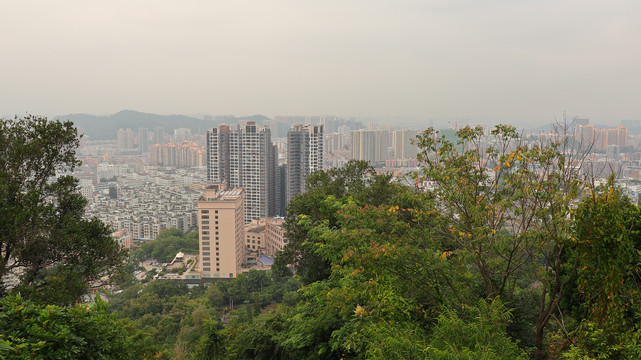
(105, 127)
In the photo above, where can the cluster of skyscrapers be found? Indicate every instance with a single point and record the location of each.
(379, 146)
(130, 142)
(244, 156)
(601, 138)
(248, 184)
(184, 154)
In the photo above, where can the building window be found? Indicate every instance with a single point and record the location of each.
(205, 222)
(215, 211)
(206, 227)
(217, 269)
(206, 264)
(204, 211)
(206, 259)
(248, 246)
(205, 253)
(231, 275)
(217, 259)
(205, 247)
(205, 243)
(205, 217)
(205, 232)
(206, 269)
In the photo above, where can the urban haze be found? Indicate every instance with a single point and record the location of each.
(520, 62)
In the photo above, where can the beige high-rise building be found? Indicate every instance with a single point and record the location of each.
(403, 146)
(221, 226)
(370, 145)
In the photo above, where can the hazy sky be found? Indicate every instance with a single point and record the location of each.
(525, 61)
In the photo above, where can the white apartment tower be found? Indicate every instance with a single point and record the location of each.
(221, 226)
(304, 156)
(125, 139)
(243, 156)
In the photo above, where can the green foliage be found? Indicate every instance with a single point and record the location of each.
(358, 181)
(255, 339)
(42, 222)
(507, 211)
(211, 344)
(607, 282)
(180, 322)
(6, 349)
(480, 336)
(168, 243)
(388, 276)
(52, 332)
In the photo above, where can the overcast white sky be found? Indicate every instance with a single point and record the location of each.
(505, 60)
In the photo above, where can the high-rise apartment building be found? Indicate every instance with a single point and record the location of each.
(143, 140)
(181, 134)
(304, 156)
(185, 154)
(403, 147)
(370, 145)
(125, 139)
(244, 156)
(221, 226)
(159, 135)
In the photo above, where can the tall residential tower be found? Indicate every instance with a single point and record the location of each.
(243, 156)
(304, 156)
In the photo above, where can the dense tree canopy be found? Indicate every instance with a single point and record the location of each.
(168, 243)
(43, 232)
(357, 180)
(34, 331)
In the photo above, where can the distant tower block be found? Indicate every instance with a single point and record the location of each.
(581, 121)
(304, 156)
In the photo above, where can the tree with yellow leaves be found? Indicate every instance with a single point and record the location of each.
(506, 204)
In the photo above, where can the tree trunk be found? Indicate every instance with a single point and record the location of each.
(539, 353)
